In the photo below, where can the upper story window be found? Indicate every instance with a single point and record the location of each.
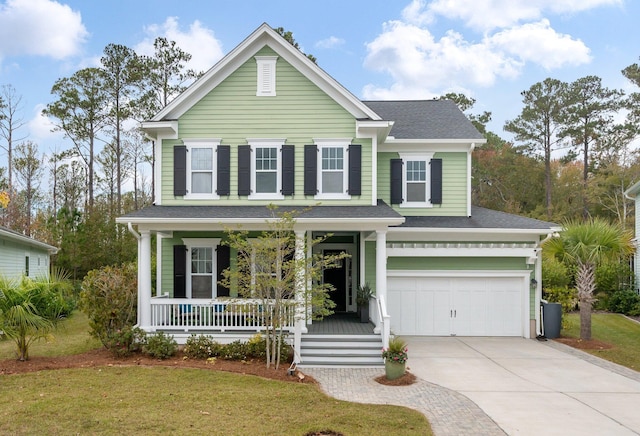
(416, 180)
(201, 165)
(266, 169)
(332, 169)
(266, 86)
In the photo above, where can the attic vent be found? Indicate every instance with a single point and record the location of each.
(266, 86)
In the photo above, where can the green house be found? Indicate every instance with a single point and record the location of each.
(21, 255)
(390, 180)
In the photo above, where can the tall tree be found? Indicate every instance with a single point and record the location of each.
(81, 113)
(10, 122)
(583, 245)
(28, 166)
(288, 36)
(465, 104)
(538, 124)
(588, 113)
(632, 73)
(123, 72)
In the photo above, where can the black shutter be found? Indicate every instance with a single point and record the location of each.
(244, 169)
(223, 260)
(355, 169)
(179, 271)
(224, 170)
(179, 170)
(310, 170)
(288, 169)
(396, 181)
(436, 181)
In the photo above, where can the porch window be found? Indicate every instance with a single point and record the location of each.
(202, 271)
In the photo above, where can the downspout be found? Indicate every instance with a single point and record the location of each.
(139, 238)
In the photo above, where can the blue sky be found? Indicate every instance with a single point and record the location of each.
(379, 49)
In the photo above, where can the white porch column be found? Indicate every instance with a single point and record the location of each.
(300, 288)
(538, 293)
(144, 279)
(381, 270)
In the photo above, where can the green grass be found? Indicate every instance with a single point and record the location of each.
(71, 337)
(160, 400)
(613, 329)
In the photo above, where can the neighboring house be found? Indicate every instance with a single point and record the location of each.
(392, 180)
(21, 255)
(632, 194)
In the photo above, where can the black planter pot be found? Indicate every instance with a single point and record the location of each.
(363, 313)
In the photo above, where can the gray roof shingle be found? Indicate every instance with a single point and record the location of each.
(480, 218)
(425, 119)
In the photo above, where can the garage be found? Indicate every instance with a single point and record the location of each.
(459, 303)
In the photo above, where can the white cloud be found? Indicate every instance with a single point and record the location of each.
(485, 15)
(331, 42)
(198, 41)
(40, 128)
(40, 27)
(422, 65)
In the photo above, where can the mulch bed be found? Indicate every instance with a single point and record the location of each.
(580, 344)
(103, 357)
(406, 380)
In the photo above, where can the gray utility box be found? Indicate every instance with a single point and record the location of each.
(552, 319)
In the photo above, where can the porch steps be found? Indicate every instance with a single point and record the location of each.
(345, 351)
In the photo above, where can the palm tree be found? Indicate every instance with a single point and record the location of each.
(583, 245)
(29, 310)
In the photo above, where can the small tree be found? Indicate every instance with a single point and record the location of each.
(268, 270)
(30, 310)
(583, 246)
(109, 298)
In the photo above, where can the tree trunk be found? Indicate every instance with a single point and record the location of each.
(585, 320)
(585, 282)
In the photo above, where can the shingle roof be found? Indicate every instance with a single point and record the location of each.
(480, 218)
(10, 234)
(381, 211)
(425, 119)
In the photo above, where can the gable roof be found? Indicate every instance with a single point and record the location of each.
(20, 238)
(263, 35)
(425, 119)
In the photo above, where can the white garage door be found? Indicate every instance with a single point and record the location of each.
(462, 306)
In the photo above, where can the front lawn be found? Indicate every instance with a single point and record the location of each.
(614, 329)
(160, 400)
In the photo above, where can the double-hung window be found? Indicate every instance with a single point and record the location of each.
(416, 180)
(266, 169)
(201, 267)
(333, 175)
(201, 166)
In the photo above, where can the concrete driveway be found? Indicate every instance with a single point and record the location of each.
(532, 388)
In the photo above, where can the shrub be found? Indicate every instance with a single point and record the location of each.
(201, 347)
(109, 298)
(626, 302)
(613, 276)
(564, 295)
(235, 350)
(161, 346)
(554, 273)
(126, 341)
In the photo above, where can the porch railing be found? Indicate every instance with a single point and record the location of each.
(384, 319)
(218, 315)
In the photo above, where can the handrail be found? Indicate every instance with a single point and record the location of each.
(385, 321)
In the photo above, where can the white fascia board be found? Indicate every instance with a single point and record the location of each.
(632, 191)
(441, 232)
(155, 129)
(28, 241)
(409, 145)
(264, 35)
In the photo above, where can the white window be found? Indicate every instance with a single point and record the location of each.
(266, 169)
(416, 183)
(266, 86)
(201, 267)
(333, 164)
(201, 168)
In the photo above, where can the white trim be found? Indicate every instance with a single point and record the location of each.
(266, 87)
(212, 243)
(342, 143)
(468, 181)
(424, 145)
(454, 249)
(212, 144)
(266, 143)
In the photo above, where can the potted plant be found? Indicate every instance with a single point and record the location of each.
(395, 358)
(363, 296)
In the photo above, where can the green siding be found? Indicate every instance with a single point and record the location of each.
(370, 263)
(454, 185)
(299, 112)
